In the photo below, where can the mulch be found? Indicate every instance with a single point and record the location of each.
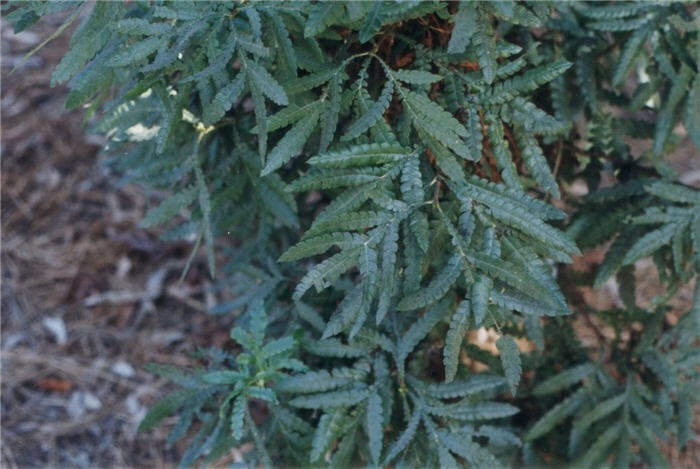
(87, 297)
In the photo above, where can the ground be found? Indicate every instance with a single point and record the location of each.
(88, 297)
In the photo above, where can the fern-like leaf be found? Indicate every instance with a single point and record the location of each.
(223, 100)
(386, 276)
(165, 408)
(291, 143)
(599, 450)
(650, 242)
(327, 271)
(267, 84)
(320, 244)
(361, 155)
(601, 410)
(404, 439)
(564, 379)
(437, 288)
(169, 207)
(422, 326)
(453, 341)
(321, 16)
(537, 163)
(374, 425)
(465, 25)
(480, 294)
(373, 114)
(416, 77)
(510, 359)
(329, 426)
(629, 52)
(331, 400)
(465, 387)
(556, 415)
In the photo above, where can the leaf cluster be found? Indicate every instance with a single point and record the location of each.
(386, 181)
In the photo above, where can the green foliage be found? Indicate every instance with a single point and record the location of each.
(510, 358)
(220, 396)
(387, 170)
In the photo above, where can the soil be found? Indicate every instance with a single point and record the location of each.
(87, 297)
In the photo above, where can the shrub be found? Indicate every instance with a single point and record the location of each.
(395, 175)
